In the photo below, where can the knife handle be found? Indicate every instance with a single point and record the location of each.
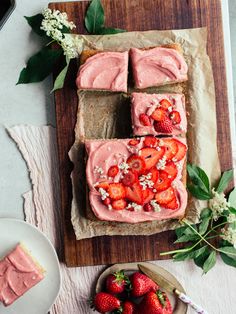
(183, 297)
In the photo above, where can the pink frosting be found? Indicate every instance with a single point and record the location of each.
(18, 273)
(157, 66)
(105, 153)
(147, 103)
(104, 71)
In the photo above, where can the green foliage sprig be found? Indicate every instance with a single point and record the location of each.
(53, 26)
(216, 232)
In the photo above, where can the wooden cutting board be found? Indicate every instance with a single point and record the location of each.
(135, 15)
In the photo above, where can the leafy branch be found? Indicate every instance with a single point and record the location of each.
(216, 232)
(53, 27)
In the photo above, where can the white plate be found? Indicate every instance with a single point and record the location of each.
(41, 297)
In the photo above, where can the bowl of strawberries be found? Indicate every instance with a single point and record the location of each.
(124, 289)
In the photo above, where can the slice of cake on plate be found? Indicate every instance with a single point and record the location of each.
(136, 180)
(103, 70)
(19, 272)
(158, 114)
(158, 66)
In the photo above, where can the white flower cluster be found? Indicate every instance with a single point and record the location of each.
(218, 204)
(53, 23)
(229, 234)
(145, 181)
(156, 206)
(124, 167)
(103, 193)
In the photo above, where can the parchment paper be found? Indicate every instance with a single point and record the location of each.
(107, 115)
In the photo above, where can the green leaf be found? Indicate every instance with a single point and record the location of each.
(232, 198)
(110, 30)
(204, 225)
(198, 192)
(189, 255)
(205, 213)
(40, 65)
(210, 262)
(230, 251)
(199, 177)
(187, 238)
(228, 260)
(200, 259)
(59, 82)
(180, 231)
(232, 210)
(35, 23)
(94, 19)
(224, 181)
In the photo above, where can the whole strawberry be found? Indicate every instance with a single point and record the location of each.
(128, 307)
(105, 302)
(115, 283)
(155, 303)
(141, 284)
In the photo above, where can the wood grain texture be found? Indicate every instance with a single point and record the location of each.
(136, 15)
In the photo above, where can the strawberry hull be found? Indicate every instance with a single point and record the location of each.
(139, 188)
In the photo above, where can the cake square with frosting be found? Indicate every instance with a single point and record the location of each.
(158, 66)
(18, 274)
(158, 114)
(136, 180)
(103, 70)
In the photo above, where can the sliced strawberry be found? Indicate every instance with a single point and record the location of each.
(148, 195)
(155, 174)
(166, 196)
(174, 204)
(152, 156)
(159, 114)
(150, 141)
(164, 126)
(175, 117)
(144, 119)
(130, 178)
(119, 204)
(113, 171)
(107, 201)
(136, 163)
(134, 193)
(134, 142)
(163, 181)
(165, 104)
(171, 146)
(171, 169)
(116, 191)
(148, 207)
(182, 149)
(103, 185)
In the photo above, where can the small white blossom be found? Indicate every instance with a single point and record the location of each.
(156, 207)
(103, 193)
(98, 170)
(135, 206)
(109, 207)
(229, 234)
(218, 204)
(145, 181)
(231, 218)
(124, 167)
(161, 163)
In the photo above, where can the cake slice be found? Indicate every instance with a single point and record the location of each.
(136, 180)
(19, 272)
(158, 114)
(158, 66)
(103, 70)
